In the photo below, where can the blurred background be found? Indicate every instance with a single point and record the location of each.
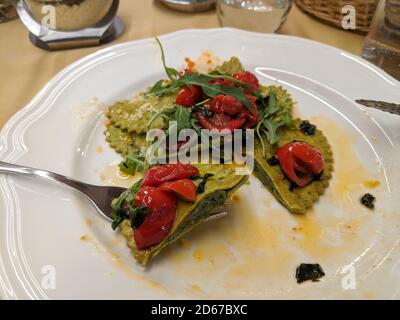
(368, 28)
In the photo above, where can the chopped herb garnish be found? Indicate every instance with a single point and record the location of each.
(194, 178)
(171, 72)
(202, 185)
(121, 206)
(203, 111)
(202, 80)
(137, 216)
(273, 161)
(307, 128)
(275, 112)
(117, 220)
(292, 186)
(132, 163)
(368, 200)
(307, 271)
(318, 177)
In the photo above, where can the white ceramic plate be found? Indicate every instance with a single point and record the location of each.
(54, 245)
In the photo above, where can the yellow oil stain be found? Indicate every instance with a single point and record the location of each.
(196, 289)
(116, 242)
(113, 176)
(88, 222)
(235, 198)
(198, 255)
(84, 237)
(369, 295)
(371, 184)
(185, 244)
(125, 268)
(99, 149)
(309, 233)
(350, 176)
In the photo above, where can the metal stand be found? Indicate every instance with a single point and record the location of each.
(108, 29)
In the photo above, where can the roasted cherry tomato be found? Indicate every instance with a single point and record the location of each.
(251, 116)
(229, 113)
(222, 82)
(220, 121)
(249, 78)
(300, 162)
(160, 218)
(226, 104)
(189, 96)
(157, 175)
(184, 189)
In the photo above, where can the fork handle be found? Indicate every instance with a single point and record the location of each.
(42, 174)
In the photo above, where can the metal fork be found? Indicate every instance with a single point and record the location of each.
(99, 196)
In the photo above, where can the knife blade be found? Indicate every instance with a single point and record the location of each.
(393, 108)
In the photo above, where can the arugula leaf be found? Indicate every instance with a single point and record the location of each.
(137, 215)
(160, 88)
(117, 220)
(273, 106)
(182, 117)
(217, 75)
(202, 185)
(166, 114)
(119, 212)
(272, 128)
(171, 72)
(212, 90)
(132, 163)
(275, 112)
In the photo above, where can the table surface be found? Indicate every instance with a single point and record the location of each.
(25, 69)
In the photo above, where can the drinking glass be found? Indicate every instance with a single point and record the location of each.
(254, 15)
(382, 44)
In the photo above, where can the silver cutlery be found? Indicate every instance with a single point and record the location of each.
(393, 108)
(99, 196)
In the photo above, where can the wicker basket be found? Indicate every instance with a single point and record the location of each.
(330, 11)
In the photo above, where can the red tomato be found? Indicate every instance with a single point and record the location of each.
(158, 222)
(189, 96)
(222, 82)
(249, 78)
(157, 175)
(300, 162)
(220, 121)
(229, 113)
(184, 189)
(251, 116)
(226, 104)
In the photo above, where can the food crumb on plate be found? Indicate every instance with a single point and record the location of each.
(185, 244)
(236, 198)
(371, 184)
(198, 255)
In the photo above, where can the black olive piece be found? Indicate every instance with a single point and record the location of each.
(273, 161)
(308, 271)
(368, 200)
(307, 128)
(292, 186)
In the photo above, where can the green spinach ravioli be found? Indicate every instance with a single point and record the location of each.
(218, 189)
(296, 200)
